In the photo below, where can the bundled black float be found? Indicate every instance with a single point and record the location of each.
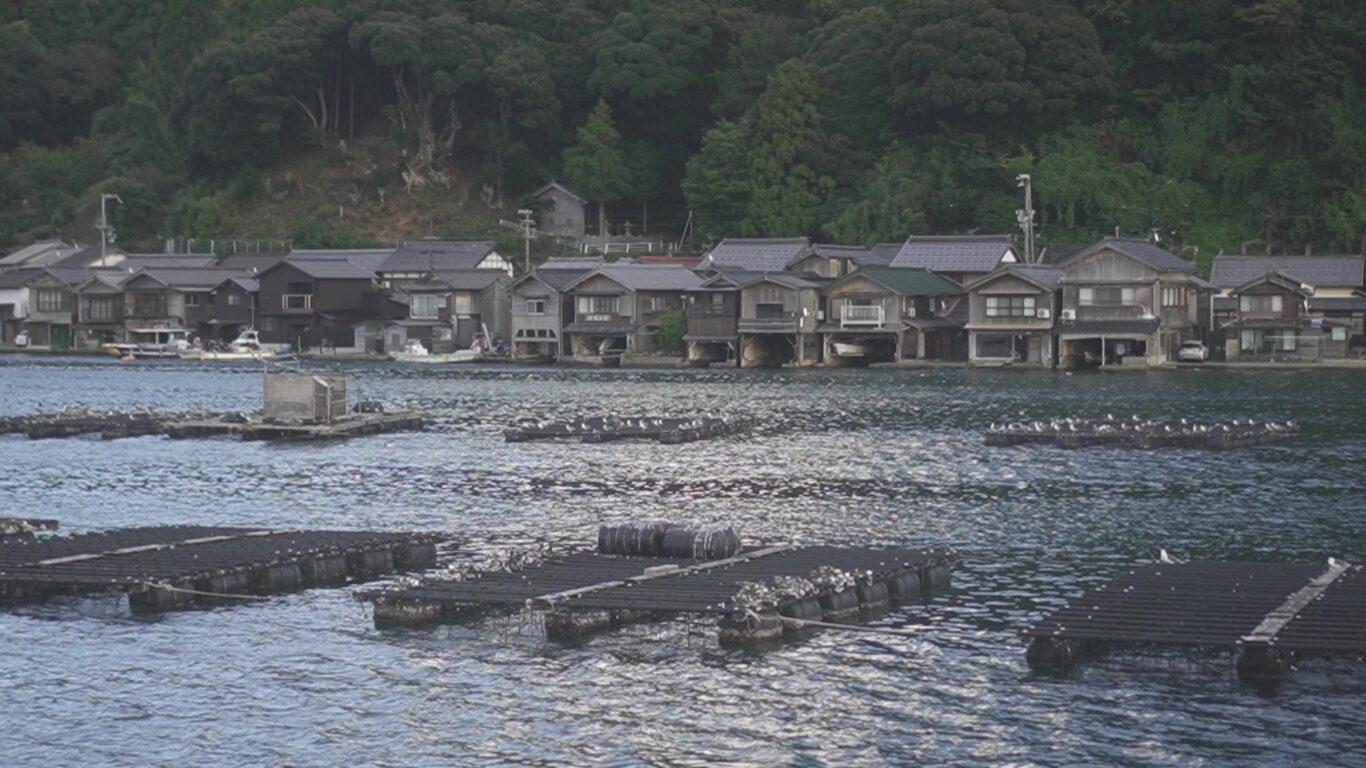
(663, 539)
(1135, 432)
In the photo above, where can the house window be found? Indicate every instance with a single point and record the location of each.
(1173, 297)
(1010, 306)
(100, 309)
(596, 305)
(535, 306)
(51, 301)
(658, 303)
(191, 299)
(426, 306)
(1248, 342)
(1105, 296)
(1259, 303)
(718, 300)
(768, 311)
(234, 299)
(464, 304)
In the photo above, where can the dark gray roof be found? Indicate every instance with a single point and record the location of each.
(248, 284)
(250, 262)
(1337, 304)
(69, 275)
(79, 258)
(559, 278)
(28, 253)
(434, 255)
(885, 252)
(585, 263)
(17, 278)
(855, 253)
(647, 277)
(135, 261)
(1138, 249)
(1039, 274)
(365, 258)
(561, 186)
(957, 253)
(786, 279)
(466, 279)
(185, 278)
(1335, 271)
(759, 254)
(329, 269)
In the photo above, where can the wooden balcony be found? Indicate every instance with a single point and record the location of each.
(296, 302)
(862, 316)
(787, 322)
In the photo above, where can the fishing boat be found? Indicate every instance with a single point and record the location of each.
(415, 352)
(851, 349)
(247, 346)
(150, 343)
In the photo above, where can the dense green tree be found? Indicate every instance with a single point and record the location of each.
(596, 164)
(787, 184)
(717, 181)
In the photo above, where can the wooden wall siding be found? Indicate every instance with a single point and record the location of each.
(645, 314)
(1008, 284)
(1108, 266)
(768, 293)
(532, 289)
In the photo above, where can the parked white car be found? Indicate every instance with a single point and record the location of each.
(21, 339)
(1193, 351)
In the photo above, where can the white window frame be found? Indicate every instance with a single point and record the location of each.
(426, 306)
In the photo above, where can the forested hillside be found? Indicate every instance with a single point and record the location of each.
(1215, 122)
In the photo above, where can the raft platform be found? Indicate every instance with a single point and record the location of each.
(113, 425)
(756, 594)
(601, 429)
(170, 567)
(1141, 434)
(1269, 614)
(20, 526)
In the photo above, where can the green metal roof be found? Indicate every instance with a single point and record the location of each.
(913, 281)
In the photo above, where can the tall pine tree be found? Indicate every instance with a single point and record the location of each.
(597, 164)
(787, 188)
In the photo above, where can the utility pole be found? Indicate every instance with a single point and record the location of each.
(106, 232)
(1026, 215)
(527, 225)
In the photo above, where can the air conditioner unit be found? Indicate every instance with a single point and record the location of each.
(1069, 314)
(1043, 314)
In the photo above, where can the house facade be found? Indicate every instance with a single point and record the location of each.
(323, 304)
(881, 314)
(234, 305)
(563, 211)
(1011, 316)
(100, 308)
(618, 308)
(713, 315)
(416, 259)
(1274, 322)
(452, 310)
(779, 320)
(51, 312)
(1337, 286)
(539, 313)
(1127, 302)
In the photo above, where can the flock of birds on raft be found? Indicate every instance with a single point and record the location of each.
(1135, 424)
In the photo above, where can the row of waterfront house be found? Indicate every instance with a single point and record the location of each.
(749, 302)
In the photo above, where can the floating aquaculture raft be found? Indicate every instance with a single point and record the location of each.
(757, 593)
(169, 567)
(18, 526)
(114, 424)
(604, 429)
(1138, 433)
(1270, 613)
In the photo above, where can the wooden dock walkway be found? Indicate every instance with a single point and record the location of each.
(586, 591)
(1268, 613)
(1141, 434)
(601, 429)
(168, 567)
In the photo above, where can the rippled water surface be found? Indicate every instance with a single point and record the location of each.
(840, 456)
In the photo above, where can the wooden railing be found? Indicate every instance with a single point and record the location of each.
(862, 315)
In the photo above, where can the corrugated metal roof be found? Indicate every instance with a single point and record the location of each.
(434, 255)
(911, 281)
(1137, 249)
(1331, 271)
(760, 254)
(957, 253)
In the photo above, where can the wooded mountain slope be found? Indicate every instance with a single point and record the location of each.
(1215, 122)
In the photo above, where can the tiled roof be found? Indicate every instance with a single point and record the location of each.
(1337, 304)
(468, 279)
(855, 253)
(885, 252)
(135, 261)
(911, 281)
(559, 278)
(1039, 274)
(436, 255)
(584, 263)
(960, 253)
(186, 278)
(248, 284)
(18, 278)
(250, 262)
(29, 252)
(1138, 249)
(365, 258)
(647, 277)
(788, 280)
(330, 269)
(1336, 271)
(767, 254)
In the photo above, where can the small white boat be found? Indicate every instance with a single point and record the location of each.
(150, 342)
(415, 352)
(851, 349)
(247, 346)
